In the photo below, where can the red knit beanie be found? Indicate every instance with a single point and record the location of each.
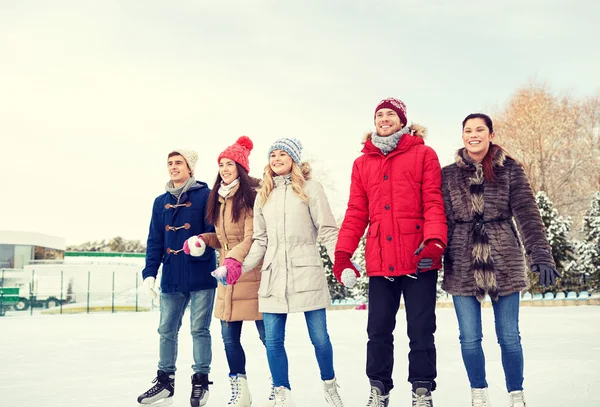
(239, 152)
(396, 105)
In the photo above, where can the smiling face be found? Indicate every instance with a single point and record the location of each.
(387, 122)
(178, 170)
(280, 162)
(476, 138)
(228, 170)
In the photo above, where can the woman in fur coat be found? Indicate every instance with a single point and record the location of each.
(291, 212)
(493, 221)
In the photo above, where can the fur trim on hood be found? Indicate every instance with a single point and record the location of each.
(464, 160)
(415, 130)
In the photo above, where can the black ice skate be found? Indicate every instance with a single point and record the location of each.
(421, 394)
(161, 394)
(199, 395)
(378, 397)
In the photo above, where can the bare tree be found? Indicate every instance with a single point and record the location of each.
(555, 139)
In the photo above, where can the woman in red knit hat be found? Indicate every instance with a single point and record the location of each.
(230, 208)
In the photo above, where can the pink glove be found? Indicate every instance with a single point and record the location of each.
(234, 270)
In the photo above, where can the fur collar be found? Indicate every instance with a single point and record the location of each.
(415, 130)
(464, 160)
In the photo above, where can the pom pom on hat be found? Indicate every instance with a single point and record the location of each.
(239, 152)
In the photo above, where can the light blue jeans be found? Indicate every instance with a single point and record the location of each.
(506, 313)
(316, 322)
(172, 308)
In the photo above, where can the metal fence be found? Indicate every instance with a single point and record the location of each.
(41, 291)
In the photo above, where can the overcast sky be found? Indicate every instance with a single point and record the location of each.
(94, 94)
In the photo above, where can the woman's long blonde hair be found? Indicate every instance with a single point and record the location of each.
(300, 174)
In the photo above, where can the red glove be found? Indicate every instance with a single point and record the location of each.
(433, 251)
(342, 261)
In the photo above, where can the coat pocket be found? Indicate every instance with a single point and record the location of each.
(307, 274)
(373, 249)
(411, 231)
(265, 282)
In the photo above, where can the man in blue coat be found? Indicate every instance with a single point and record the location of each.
(178, 214)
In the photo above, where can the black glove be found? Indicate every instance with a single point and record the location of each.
(548, 274)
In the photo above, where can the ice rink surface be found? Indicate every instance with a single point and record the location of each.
(109, 359)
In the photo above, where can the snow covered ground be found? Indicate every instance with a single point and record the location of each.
(108, 359)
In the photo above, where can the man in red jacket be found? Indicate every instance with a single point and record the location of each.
(396, 191)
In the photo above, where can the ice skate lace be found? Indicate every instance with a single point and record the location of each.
(280, 396)
(332, 395)
(376, 399)
(478, 398)
(235, 389)
(423, 400)
(157, 388)
(517, 399)
(272, 395)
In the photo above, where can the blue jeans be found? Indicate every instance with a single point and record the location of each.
(316, 322)
(172, 308)
(506, 313)
(231, 333)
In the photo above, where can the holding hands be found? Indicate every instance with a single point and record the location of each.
(194, 246)
(229, 272)
(345, 270)
(429, 255)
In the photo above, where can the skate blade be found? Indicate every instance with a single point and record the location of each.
(160, 403)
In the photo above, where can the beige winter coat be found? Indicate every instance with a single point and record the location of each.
(237, 302)
(285, 235)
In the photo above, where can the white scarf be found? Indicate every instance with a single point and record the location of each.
(225, 189)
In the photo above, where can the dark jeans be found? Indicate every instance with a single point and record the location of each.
(384, 302)
(231, 333)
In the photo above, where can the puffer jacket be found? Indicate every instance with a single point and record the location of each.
(285, 236)
(237, 302)
(399, 197)
(481, 216)
(170, 227)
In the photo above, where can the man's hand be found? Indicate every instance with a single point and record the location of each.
(341, 264)
(148, 286)
(430, 254)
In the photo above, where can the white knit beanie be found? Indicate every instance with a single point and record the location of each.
(190, 157)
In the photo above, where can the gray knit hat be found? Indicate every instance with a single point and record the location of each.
(291, 146)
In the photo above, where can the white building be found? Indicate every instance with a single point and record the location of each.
(18, 249)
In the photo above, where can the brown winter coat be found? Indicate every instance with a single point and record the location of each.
(237, 302)
(485, 252)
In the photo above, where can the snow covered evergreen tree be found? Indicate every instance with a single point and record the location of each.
(588, 262)
(116, 244)
(557, 233)
(360, 291)
(336, 290)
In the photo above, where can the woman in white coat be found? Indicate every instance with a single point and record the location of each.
(290, 213)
